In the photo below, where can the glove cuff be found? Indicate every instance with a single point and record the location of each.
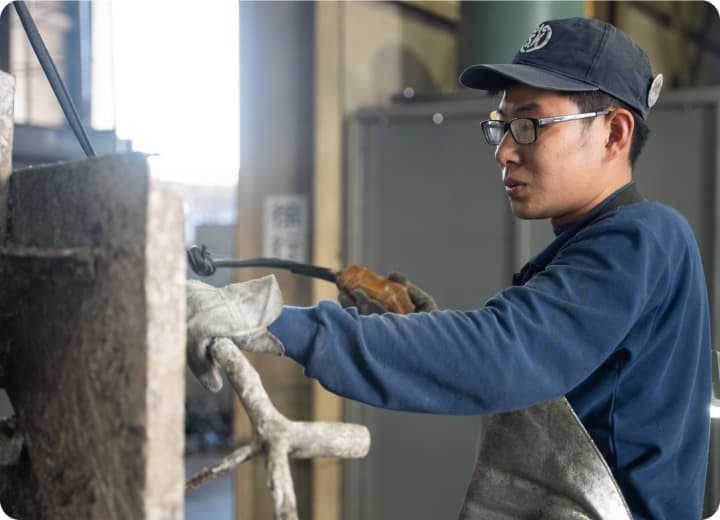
(296, 328)
(265, 341)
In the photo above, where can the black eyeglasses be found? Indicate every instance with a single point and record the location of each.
(524, 129)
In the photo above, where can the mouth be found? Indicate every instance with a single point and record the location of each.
(514, 187)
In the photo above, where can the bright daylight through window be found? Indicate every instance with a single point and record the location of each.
(177, 87)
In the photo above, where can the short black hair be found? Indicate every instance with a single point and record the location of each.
(597, 100)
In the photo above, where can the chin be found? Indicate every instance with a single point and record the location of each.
(529, 215)
(523, 212)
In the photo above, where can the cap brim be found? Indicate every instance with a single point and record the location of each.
(496, 77)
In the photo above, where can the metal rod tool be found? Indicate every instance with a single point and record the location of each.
(56, 82)
(393, 295)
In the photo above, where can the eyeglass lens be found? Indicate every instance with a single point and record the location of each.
(523, 131)
(493, 131)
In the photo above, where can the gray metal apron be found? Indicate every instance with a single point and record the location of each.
(540, 462)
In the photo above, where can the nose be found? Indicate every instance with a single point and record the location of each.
(507, 151)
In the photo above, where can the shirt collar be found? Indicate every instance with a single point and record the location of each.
(597, 209)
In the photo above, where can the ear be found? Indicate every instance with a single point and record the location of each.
(620, 124)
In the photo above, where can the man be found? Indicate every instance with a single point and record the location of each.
(613, 314)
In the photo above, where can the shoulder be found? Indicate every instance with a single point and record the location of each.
(654, 224)
(663, 223)
(649, 212)
(642, 236)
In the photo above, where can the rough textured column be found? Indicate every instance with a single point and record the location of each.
(92, 316)
(7, 94)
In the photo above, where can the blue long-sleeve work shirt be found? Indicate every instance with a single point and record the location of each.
(618, 322)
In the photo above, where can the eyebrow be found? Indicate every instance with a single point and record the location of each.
(528, 107)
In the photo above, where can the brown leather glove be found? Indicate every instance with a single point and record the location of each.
(358, 298)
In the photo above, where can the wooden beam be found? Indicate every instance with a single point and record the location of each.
(667, 20)
(327, 223)
(446, 12)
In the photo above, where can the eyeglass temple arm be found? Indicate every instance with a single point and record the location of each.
(560, 119)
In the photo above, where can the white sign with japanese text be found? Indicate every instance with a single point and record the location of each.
(286, 227)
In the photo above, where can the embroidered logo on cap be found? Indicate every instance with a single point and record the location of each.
(655, 88)
(538, 39)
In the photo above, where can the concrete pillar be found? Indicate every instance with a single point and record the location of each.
(92, 316)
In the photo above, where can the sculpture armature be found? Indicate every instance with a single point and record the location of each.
(275, 436)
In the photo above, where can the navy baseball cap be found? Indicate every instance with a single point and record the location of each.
(576, 55)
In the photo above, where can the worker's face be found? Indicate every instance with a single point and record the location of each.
(559, 176)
